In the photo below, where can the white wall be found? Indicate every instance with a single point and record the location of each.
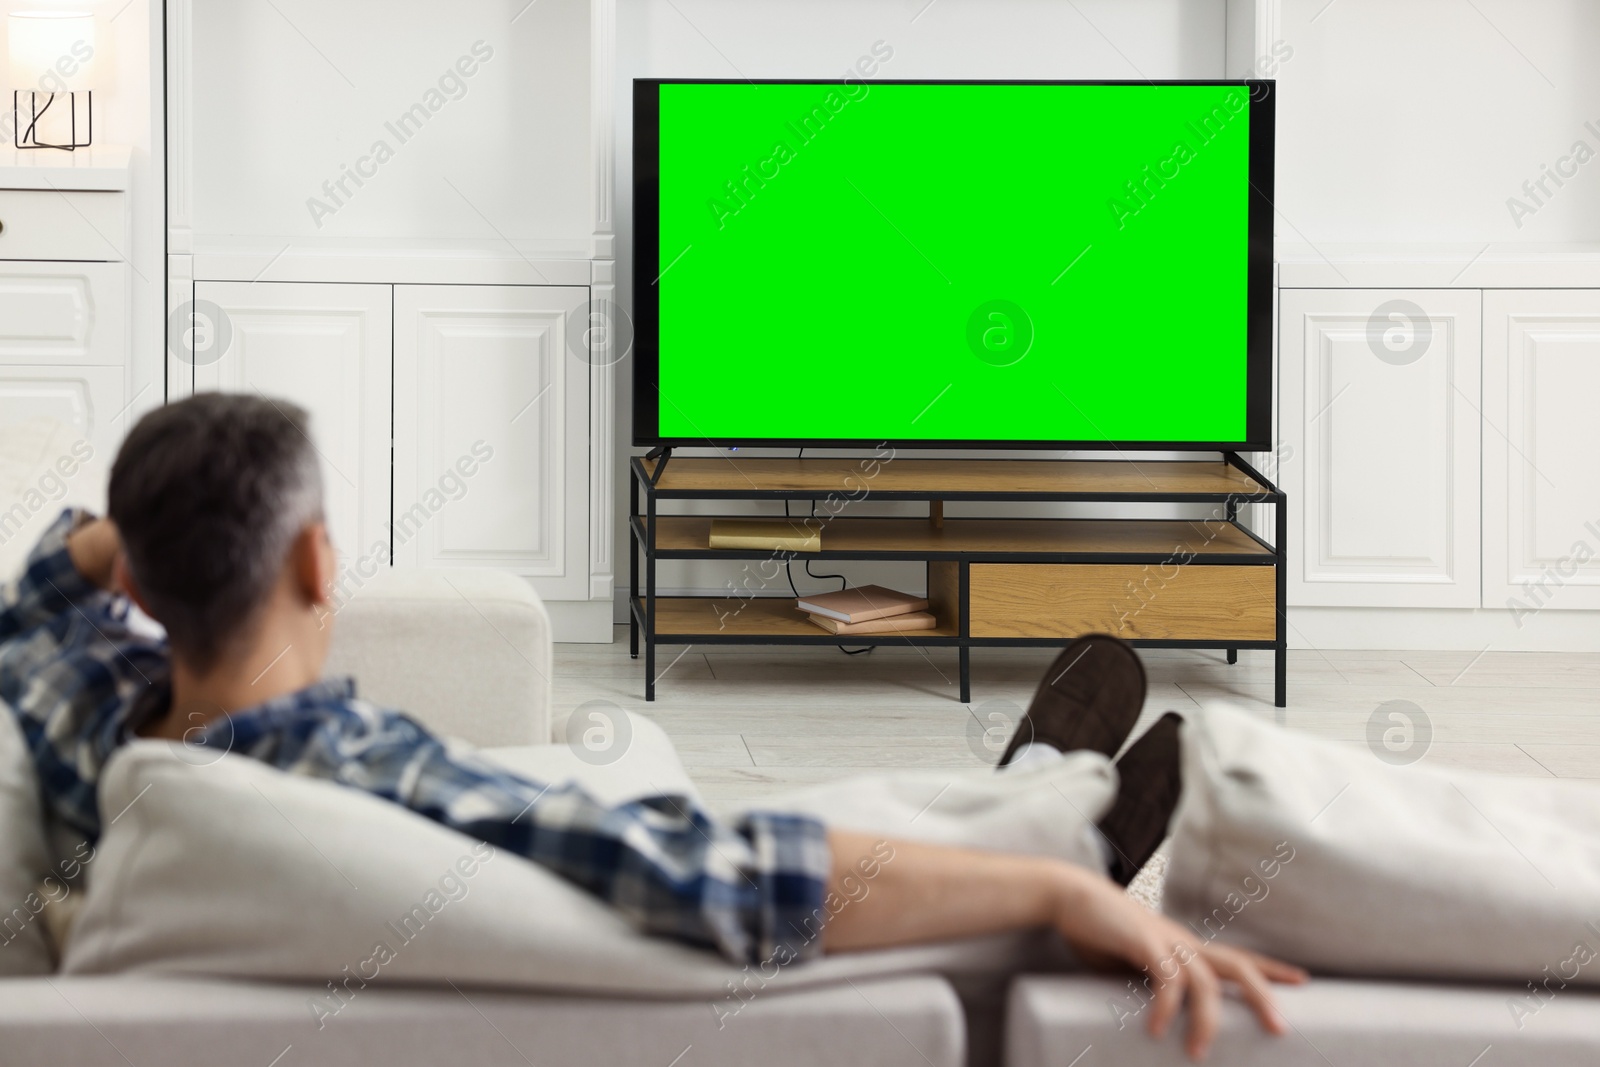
(291, 93)
(1415, 121)
(820, 39)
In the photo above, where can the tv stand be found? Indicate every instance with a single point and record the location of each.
(1206, 582)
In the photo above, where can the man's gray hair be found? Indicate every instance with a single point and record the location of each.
(209, 494)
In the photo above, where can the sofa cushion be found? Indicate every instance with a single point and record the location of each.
(1095, 1022)
(465, 651)
(234, 868)
(28, 888)
(902, 1022)
(1323, 855)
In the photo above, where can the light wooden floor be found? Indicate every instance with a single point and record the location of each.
(750, 721)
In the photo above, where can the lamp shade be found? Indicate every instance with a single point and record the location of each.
(51, 51)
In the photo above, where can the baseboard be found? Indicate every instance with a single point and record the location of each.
(1444, 629)
(580, 621)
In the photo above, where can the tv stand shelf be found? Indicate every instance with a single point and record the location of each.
(1188, 583)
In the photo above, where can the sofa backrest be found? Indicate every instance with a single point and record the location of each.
(464, 651)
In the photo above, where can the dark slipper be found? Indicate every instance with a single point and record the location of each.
(1089, 699)
(1150, 783)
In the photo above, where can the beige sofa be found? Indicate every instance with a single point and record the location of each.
(469, 653)
(1077, 1020)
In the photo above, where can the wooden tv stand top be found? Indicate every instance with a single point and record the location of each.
(736, 476)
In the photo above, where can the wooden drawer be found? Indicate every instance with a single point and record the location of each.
(46, 224)
(1131, 600)
(67, 313)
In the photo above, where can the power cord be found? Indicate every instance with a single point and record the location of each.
(844, 583)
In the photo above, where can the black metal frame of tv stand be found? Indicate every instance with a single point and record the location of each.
(642, 541)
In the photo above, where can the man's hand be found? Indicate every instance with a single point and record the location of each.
(94, 548)
(1106, 928)
(905, 893)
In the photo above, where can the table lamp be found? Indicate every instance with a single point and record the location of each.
(52, 64)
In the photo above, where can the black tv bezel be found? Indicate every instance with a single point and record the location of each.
(1262, 95)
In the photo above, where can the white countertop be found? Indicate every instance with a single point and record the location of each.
(252, 258)
(98, 167)
(1486, 265)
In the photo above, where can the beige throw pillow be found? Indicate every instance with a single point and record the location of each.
(1323, 855)
(234, 868)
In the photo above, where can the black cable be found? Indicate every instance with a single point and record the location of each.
(788, 567)
(843, 582)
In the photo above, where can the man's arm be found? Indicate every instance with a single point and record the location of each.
(751, 890)
(71, 664)
(932, 893)
(72, 562)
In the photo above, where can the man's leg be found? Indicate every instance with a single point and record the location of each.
(1149, 786)
(1089, 699)
(929, 856)
(1085, 707)
(1056, 781)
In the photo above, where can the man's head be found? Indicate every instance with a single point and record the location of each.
(218, 500)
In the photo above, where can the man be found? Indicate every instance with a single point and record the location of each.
(216, 530)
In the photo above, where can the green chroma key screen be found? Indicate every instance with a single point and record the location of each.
(1011, 263)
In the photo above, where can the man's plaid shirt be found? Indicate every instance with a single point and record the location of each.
(81, 678)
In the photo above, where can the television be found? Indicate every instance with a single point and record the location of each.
(953, 264)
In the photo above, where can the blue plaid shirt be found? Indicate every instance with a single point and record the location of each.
(81, 677)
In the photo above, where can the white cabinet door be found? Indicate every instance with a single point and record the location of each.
(492, 433)
(66, 313)
(327, 348)
(63, 392)
(59, 431)
(1541, 478)
(1380, 399)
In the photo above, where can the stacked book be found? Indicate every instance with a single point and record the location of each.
(777, 535)
(868, 609)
